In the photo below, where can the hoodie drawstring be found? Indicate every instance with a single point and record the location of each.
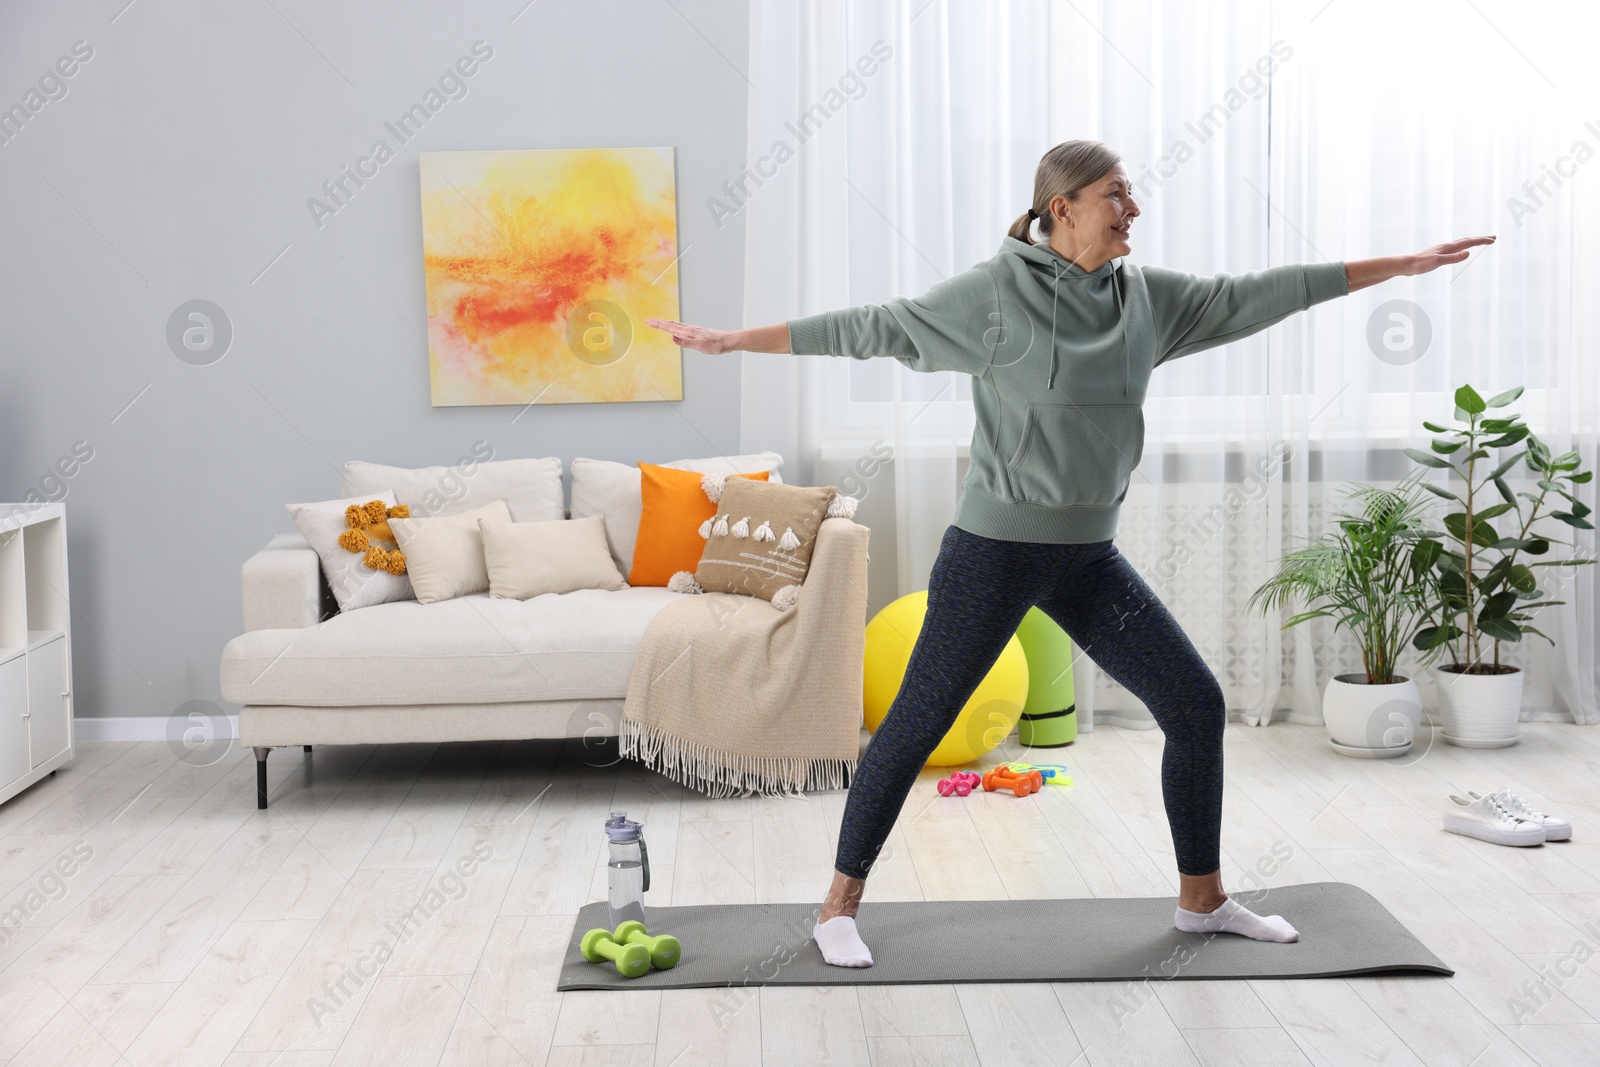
(1127, 358)
(1051, 379)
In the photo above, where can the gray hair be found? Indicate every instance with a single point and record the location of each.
(1063, 171)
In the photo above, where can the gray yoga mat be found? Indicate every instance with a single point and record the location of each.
(1343, 930)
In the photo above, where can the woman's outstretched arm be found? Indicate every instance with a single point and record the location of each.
(774, 338)
(948, 328)
(1195, 312)
(1365, 272)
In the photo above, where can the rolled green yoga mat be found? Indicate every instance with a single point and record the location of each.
(1344, 930)
(1050, 716)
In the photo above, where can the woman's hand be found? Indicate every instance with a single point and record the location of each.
(698, 338)
(1361, 273)
(774, 338)
(1430, 259)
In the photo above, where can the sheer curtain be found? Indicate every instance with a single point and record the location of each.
(892, 144)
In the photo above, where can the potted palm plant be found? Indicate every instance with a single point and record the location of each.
(1368, 575)
(1483, 587)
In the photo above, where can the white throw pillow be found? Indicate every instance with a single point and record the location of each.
(444, 553)
(612, 490)
(354, 584)
(531, 488)
(526, 559)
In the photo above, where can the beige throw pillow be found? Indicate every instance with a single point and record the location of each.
(527, 559)
(761, 538)
(444, 553)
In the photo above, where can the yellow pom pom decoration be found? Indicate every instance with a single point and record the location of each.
(369, 522)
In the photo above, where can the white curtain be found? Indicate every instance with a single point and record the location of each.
(891, 145)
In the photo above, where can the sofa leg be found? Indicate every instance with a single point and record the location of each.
(261, 776)
(308, 748)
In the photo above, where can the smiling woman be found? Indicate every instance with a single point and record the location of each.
(1087, 176)
(1058, 390)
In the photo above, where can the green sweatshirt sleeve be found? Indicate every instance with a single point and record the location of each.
(949, 327)
(1194, 313)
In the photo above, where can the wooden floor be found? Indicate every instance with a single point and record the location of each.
(191, 928)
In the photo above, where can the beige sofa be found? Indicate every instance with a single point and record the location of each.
(473, 668)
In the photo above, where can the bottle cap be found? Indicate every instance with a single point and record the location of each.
(621, 829)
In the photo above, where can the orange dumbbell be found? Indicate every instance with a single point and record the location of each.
(1003, 777)
(1033, 777)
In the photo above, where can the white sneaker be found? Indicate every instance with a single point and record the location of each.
(1488, 820)
(1555, 827)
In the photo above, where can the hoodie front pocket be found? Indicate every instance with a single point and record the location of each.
(1077, 454)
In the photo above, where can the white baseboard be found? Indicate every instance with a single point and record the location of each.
(137, 728)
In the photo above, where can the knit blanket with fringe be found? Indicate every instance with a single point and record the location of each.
(731, 696)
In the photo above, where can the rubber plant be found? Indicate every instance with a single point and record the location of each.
(1369, 574)
(1482, 585)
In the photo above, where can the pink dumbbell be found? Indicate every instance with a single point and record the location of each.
(961, 783)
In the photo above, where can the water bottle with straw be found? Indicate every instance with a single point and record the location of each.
(627, 868)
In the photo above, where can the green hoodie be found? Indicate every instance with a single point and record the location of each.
(1060, 359)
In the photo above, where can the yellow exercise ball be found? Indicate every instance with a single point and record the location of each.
(988, 717)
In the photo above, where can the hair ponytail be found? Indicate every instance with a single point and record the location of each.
(1063, 171)
(1020, 229)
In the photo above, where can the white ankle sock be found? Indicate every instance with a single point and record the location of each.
(841, 945)
(1234, 918)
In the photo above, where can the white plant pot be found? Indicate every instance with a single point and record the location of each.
(1480, 710)
(1371, 720)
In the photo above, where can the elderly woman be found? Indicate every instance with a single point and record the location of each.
(1060, 338)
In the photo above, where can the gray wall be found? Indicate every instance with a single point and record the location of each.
(177, 166)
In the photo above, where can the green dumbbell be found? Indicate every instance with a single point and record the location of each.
(631, 960)
(664, 950)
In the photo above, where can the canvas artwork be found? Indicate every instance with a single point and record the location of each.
(541, 267)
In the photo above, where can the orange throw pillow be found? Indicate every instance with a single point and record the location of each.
(675, 505)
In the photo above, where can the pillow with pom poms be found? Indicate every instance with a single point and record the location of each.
(370, 537)
(759, 543)
(357, 548)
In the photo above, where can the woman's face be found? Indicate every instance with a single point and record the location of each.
(1096, 225)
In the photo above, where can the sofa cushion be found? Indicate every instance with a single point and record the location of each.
(677, 507)
(470, 650)
(525, 559)
(530, 487)
(762, 538)
(444, 553)
(613, 490)
(358, 573)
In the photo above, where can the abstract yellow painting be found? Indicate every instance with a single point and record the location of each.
(542, 266)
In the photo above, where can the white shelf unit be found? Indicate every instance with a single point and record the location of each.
(35, 645)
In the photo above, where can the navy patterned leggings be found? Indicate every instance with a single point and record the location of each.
(978, 593)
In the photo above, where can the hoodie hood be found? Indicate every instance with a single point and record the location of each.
(1046, 257)
(1051, 268)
